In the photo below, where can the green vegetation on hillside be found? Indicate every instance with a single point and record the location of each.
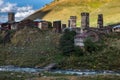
(110, 77)
(29, 76)
(67, 42)
(63, 9)
(29, 47)
(35, 48)
(15, 76)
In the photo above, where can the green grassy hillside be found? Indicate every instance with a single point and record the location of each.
(35, 48)
(63, 9)
(29, 47)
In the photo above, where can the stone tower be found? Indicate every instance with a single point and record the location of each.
(68, 23)
(73, 21)
(57, 25)
(100, 21)
(11, 17)
(85, 20)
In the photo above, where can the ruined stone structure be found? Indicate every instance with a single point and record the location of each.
(79, 39)
(116, 28)
(10, 24)
(57, 26)
(63, 26)
(68, 23)
(43, 25)
(100, 21)
(25, 23)
(93, 35)
(11, 17)
(14, 26)
(85, 20)
(73, 21)
(5, 26)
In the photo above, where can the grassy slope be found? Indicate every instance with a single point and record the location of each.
(29, 47)
(80, 78)
(32, 47)
(15, 76)
(29, 76)
(63, 9)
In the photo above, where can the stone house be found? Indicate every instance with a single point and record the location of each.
(43, 25)
(79, 40)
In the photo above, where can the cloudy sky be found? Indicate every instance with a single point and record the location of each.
(22, 8)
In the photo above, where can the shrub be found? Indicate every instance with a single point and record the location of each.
(1, 40)
(78, 51)
(62, 79)
(91, 46)
(67, 42)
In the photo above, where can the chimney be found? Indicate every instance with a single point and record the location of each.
(11, 17)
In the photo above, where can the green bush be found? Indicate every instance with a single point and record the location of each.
(5, 36)
(78, 51)
(91, 46)
(1, 40)
(62, 79)
(67, 42)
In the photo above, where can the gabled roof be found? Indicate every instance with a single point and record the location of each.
(118, 26)
(38, 20)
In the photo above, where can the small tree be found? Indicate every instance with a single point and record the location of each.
(67, 42)
(91, 46)
(1, 40)
(78, 51)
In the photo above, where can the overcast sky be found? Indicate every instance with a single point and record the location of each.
(22, 8)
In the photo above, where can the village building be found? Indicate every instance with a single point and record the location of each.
(5, 26)
(72, 21)
(11, 17)
(0, 26)
(85, 20)
(57, 26)
(14, 26)
(68, 23)
(100, 21)
(11, 24)
(64, 26)
(43, 25)
(79, 39)
(116, 28)
(26, 23)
